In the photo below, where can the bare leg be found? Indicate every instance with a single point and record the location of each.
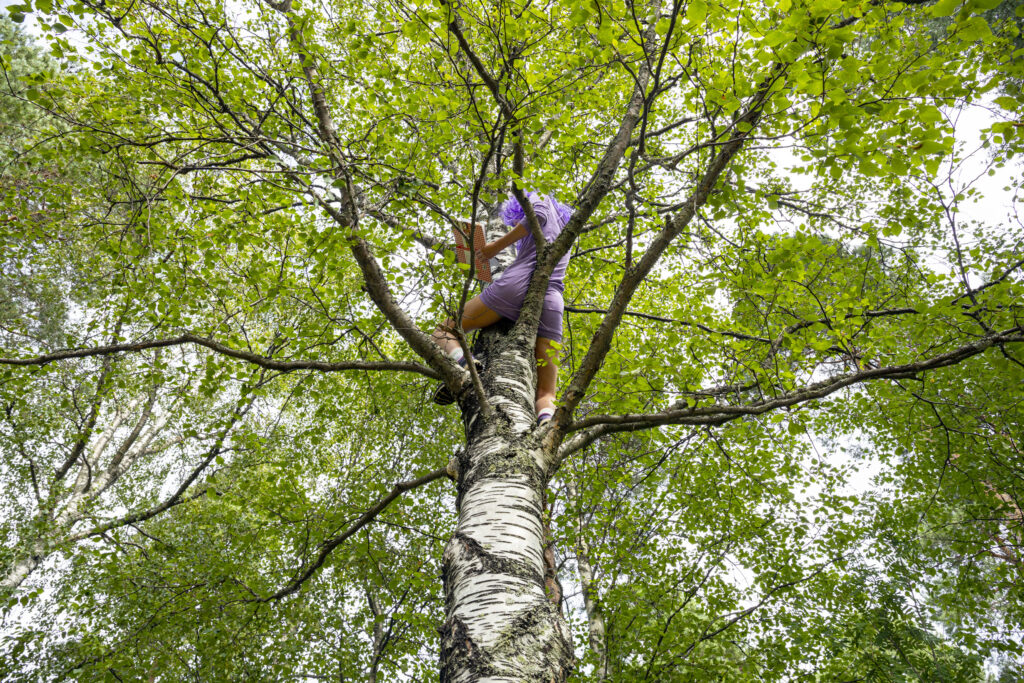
(475, 315)
(547, 374)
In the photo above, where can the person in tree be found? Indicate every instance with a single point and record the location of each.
(503, 298)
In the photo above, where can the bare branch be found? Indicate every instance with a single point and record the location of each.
(248, 356)
(178, 497)
(674, 321)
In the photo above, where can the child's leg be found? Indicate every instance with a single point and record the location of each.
(475, 315)
(547, 377)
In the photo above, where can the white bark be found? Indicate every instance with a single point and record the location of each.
(500, 624)
(22, 567)
(90, 482)
(378, 636)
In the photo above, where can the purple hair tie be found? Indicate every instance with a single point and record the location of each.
(512, 213)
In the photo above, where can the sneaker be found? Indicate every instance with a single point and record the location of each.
(442, 396)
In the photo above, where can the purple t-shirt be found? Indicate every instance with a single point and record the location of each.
(505, 295)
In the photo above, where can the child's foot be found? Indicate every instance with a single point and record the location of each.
(545, 415)
(444, 397)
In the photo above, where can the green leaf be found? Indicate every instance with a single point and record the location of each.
(696, 11)
(974, 29)
(778, 37)
(944, 8)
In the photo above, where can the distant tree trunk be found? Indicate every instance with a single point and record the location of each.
(90, 483)
(595, 617)
(500, 624)
(378, 636)
(20, 570)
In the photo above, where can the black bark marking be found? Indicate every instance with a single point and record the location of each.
(511, 463)
(495, 345)
(459, 652)
(534, 645)
(555, 653)
(492, 564)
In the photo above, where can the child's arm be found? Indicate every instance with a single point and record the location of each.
(514, 235)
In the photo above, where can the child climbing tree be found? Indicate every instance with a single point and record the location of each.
(769, 237)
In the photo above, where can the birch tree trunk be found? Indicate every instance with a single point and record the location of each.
(378, 636)
(21, 569)
(500, 624)
(90, 483)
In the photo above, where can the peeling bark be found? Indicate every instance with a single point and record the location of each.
(551, 583)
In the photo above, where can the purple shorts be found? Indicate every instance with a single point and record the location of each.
(506, 302)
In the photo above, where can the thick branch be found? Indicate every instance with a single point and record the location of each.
(348, 216)
(380, 293)
(602, 339)
(478, 65)
(600, 182)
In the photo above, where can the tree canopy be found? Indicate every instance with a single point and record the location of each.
(788, 436)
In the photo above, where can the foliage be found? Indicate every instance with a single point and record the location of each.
(791, 453)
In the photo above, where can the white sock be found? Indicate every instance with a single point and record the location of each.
(456, 354)
(545, 414)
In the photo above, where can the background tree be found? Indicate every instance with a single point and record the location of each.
(767, 258)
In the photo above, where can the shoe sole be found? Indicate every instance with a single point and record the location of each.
(443, 397)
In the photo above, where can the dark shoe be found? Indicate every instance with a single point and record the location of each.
(442, 396)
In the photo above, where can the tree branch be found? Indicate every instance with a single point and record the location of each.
(674, 321)
(348, 219)
(597, 188)
(330, 544)
(594, 427)
(478, 65)
(602, 339)
(248, 356)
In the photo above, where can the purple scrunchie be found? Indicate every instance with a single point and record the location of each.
(512, 213)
